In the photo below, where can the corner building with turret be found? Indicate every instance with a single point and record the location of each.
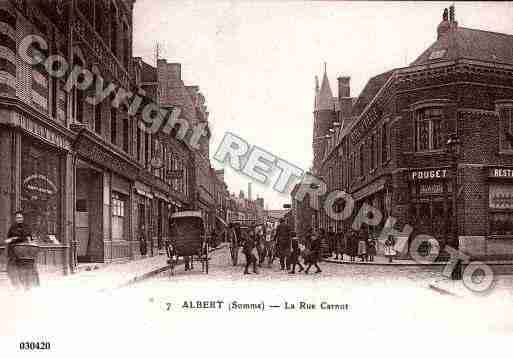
(389, 146)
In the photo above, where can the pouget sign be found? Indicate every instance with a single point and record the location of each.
(429, 174)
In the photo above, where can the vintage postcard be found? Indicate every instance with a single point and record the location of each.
(255, 178)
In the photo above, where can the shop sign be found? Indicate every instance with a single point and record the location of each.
(501, 173)
(42, 132)
(45, 185)
(429, 174)
(431, 188)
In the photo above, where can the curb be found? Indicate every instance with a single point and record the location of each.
(393, 264)
(154, 272)
(399, 264)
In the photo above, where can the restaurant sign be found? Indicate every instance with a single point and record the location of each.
(501, 173)
(429, 174)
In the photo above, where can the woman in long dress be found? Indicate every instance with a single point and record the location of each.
(22, 272)
(362, 244)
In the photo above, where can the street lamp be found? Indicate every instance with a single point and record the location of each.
(453, 149)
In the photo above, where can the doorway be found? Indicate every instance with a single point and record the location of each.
(88, 214)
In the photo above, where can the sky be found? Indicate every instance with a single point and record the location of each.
(255, 62)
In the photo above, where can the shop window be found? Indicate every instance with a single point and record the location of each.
(118, 216)
(506, 117)
(41, 191)
(428, 131)
(501, 209)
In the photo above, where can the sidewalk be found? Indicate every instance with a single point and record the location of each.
(107, 276)
(382, 260)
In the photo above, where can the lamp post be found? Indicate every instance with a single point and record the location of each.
(453, 148)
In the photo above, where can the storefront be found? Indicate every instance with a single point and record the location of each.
(431, 202)
(103, 202)
(34, 168)
(500, 202)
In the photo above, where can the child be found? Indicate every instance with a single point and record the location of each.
(372, 249)
(389, 248)
(294, 255)
(248, 250)
(362, 248)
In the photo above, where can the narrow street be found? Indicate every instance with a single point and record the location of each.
(390, 303)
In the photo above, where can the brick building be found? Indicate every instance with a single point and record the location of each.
(68, 164)
(388, 146)
(90, 179)
(173, 93)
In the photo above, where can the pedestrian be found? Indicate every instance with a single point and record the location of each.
(259, 236)
(340, 244)
(248, 250)
(314, 255)
(295, 254)
(268, 246)
(362, 244)
(282, 238)
(371, 249)
(22, 272)
(143, 243)
(213, 239)
(389, 248)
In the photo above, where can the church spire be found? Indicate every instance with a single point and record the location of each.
(325, 96)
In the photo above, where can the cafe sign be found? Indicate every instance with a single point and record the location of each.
(501, 173)
(429, 174)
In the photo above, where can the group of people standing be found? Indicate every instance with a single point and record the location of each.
(356, 244)
(262, 243)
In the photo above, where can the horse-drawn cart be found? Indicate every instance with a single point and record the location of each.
(188, 240)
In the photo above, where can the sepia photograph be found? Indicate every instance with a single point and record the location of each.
(256, 178)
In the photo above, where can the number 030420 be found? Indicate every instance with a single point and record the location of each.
(35, 346)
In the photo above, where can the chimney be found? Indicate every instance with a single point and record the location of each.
(249, 191)
(344, 88)
(176, 70)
